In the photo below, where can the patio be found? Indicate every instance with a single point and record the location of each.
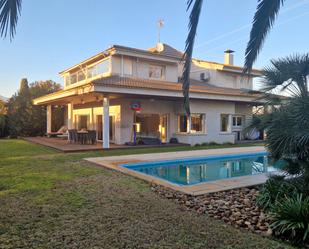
(64, 145)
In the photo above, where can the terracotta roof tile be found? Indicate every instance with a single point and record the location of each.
(196, 86)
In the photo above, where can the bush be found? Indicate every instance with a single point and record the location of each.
(3, 126)
(213, 143)
(291, 218)
(277, 188)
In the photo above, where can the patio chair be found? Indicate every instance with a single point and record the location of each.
(92, 136)
(73, 136)
(63, 129)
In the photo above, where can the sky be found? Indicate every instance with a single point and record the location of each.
(53, 35)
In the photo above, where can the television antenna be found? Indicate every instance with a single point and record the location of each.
(160, 26)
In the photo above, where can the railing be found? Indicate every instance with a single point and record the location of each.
(88, 72)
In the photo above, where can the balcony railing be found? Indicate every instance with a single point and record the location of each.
(88, 72)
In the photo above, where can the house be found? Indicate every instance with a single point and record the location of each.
(124, 88)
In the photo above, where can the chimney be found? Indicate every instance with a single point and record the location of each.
(229, 57)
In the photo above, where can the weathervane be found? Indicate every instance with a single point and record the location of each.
(160, 25)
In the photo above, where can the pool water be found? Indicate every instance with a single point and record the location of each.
(197, 170)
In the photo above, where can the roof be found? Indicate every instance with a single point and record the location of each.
(162, 50)
(167, 51)
(195, 87)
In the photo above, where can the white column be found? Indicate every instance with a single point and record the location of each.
(91, 121)
(49, 119)
(105, 122)
(70, 116)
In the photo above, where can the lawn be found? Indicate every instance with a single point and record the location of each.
(55, 200)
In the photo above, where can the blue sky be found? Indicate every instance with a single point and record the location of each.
(55, 34)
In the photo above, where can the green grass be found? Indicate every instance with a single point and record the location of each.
(55, 200)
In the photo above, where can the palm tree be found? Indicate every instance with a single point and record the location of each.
(288, 124)
(264, 18)
(266, 13)
(9, 13)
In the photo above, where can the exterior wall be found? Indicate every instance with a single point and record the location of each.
(221, 79)
(212, 111)
(124, 117)
(140, 67)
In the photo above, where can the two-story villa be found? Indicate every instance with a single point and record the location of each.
(122, 87)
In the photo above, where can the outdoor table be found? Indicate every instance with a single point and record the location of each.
(82, 136)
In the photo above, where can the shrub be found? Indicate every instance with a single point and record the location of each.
(291, 218)
(275, 189)
(3, 125)
(213, 143)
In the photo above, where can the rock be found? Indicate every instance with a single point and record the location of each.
(247, 202)
(236, 207)
(262, 216)
(237, 214)
(269, 232)
(169, 195)
(239, 222)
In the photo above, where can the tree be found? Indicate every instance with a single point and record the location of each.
(3, 119)
(266, 13)
(24, 118)
(9, 13)
(288, 124)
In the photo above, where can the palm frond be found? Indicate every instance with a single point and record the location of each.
(266, 13)
(9, 12)
(193, 22)
(290, 73)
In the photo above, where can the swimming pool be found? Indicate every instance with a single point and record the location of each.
(190, 171)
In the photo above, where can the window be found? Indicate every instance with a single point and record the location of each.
(80, 76)
(156, 72)
(127, 67)
(182, 123)
(224, 122)
(197, 122)
(67, 80)
(73, 78)
(82, 122)
(237, 121)
(102, 67)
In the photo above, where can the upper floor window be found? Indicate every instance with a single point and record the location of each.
(237, 121)
(127, 67)
(156, 72)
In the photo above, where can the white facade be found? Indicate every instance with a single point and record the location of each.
(218, 114)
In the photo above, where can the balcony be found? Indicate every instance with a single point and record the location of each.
(89, 72)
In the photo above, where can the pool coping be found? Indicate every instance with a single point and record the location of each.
(116, 162)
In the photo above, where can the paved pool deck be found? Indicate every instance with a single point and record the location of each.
(114, 163)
